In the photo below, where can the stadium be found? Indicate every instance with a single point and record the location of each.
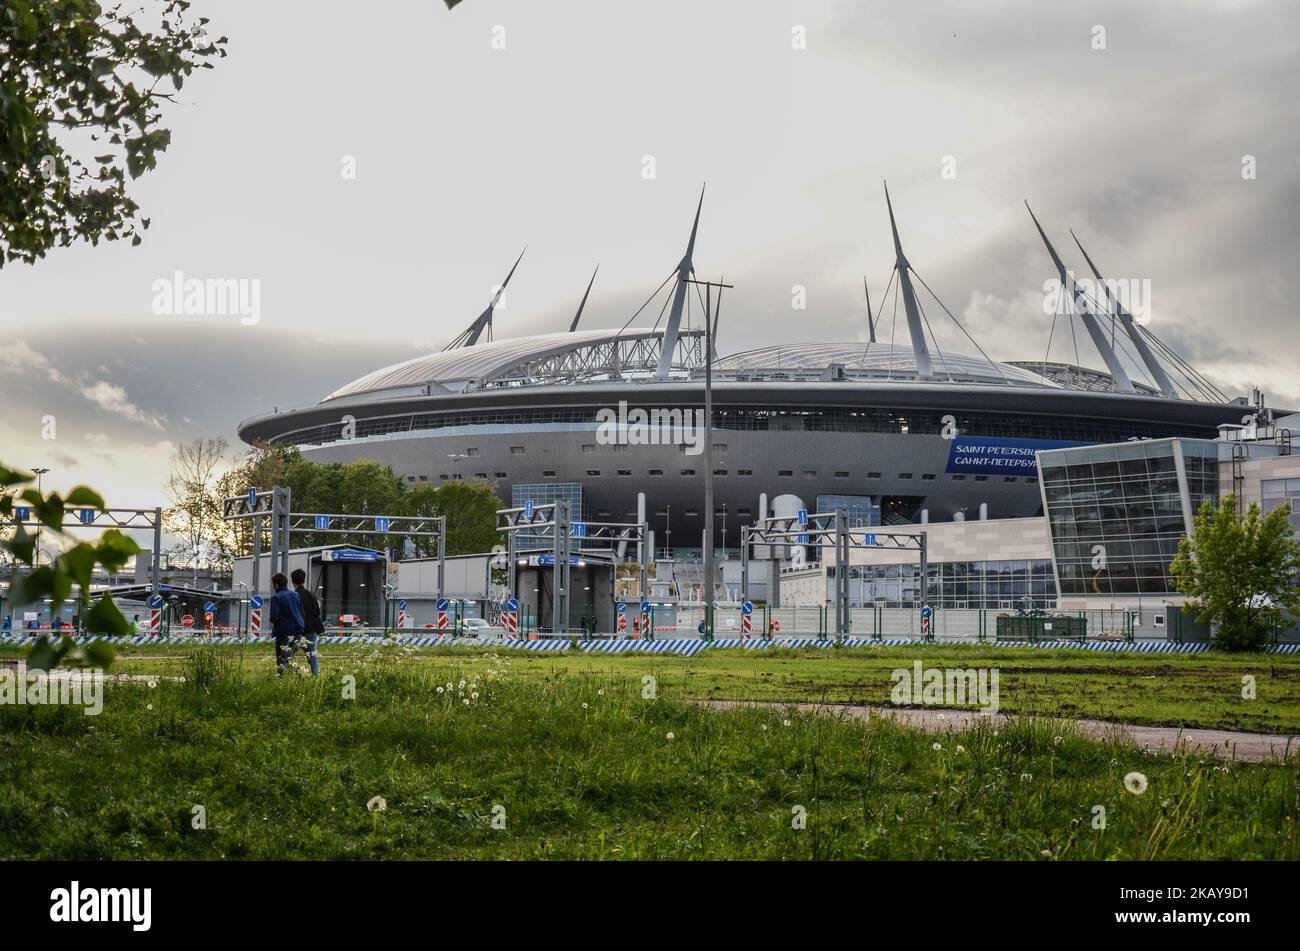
(895, 432)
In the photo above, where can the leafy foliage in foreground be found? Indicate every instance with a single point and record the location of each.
(584, 768)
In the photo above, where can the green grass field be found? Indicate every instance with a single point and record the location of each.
(575, 762)
(1201, 690)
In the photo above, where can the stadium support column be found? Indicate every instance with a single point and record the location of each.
(925, 572)
(744, 563)
(274, 516)
(256, 522)
(773, 577)
(512, 567)
(286, 506)
(560, 603)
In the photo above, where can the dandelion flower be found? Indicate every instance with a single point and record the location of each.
(785, 722)
(671, 736)
(960, 748)
(152, 684)
(377, 804)
(938, 748)
(1136, 783)
(149, 706)
(473, 696)
(1056, 740)
(1026, 777)
(466, 701)
(439, 690)
(764, 727)
(584, 706)
(600, 692)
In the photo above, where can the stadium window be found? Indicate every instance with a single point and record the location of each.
(502, 475)
(548, 473)
(592, 472)
(471, 452)
(424, 478)
(688, 472)
(981, 478)
(656, 472)
(719, 472)
(1008, 478)
(625, 472)
(744, 472)
(692, 512)
(621, 447)
(927, 477)
(719, 447)
(410, 478)
(873, 475)
(958, 478)
(744, 511)
(841, 474)
(588, 447)
(905, 475)
(456, 477)
(517, 450)
(785, 473)
(480, 475)
(810, 473)
(443, 477)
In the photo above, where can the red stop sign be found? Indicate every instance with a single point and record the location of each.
(187, 620)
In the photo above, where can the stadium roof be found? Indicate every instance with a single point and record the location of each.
(481, 363)
(876, 360)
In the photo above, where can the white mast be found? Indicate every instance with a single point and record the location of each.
(1117, 374)
(924, 368)
(684, 272)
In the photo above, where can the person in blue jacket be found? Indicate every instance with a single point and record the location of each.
(286, 620)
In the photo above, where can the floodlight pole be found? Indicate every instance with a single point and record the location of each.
(708, 449)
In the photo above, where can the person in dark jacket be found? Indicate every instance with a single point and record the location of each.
(286, 620)
(312, 625)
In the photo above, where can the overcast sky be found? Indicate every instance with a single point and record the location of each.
(464, 153)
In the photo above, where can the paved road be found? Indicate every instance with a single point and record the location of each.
(1227, 744)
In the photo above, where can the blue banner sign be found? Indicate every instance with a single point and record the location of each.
(986, 455)
(348, 554)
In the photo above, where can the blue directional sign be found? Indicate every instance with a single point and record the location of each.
(579, 529)
(927, 612)
(869, 538)
(747, 607)
(802, 516)
(801, 539)
(322, 521)
(86, 516)
(512, 604)
(442, 604)
(208, 607)
(401, 605)
(155, 601)
(622, 608)
(252, 499)
(645, 607)
(22, 513)
(255, 601)
(381, 524)
(528, 508)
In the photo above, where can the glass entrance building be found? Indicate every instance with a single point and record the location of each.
(1117, 512)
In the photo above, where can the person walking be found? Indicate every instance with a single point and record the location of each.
(286, 621)
(312, 625)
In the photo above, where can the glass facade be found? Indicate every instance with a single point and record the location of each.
(1277, 493)
(542, 493)
(1116, 513)
(954, 584)
(863, 512)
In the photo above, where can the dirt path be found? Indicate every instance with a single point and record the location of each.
(1227, 744)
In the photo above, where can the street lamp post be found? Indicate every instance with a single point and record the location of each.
(39, 471)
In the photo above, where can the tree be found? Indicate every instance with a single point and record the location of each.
(195, 510)
(74, 566)
(471, 510)
(81, 93)
(1240, 572)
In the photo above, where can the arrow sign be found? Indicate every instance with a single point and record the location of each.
(442, 604)
(622, 608)
(255, 601)
(645, 607)
(801, 539)
(22, 513)
(512, 604)
(322, 521)
(381, 524)
(208, 607)
(747, 607)
(155, 601)
(528, 508)
(401, 605)
(252, 499)
(802, 517)
(579, 529)
(86, 516)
